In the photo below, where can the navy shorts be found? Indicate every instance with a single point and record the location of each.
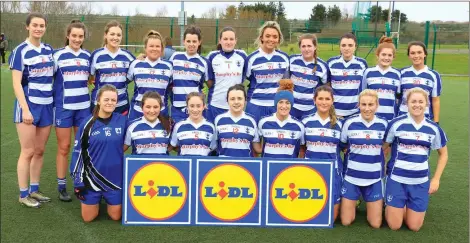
(370, 193)
(299, 114)
(258, 112)
(414, 197)
(64, 118)
(111, 197)
(212, 112)
(42, 114)
(178, 114)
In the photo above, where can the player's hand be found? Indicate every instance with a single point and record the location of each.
(27, 117)
(434, 186)
(140, 57)
(80, 192)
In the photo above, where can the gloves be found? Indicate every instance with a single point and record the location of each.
(80, 192)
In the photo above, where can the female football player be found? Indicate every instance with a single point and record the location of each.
(408, 185)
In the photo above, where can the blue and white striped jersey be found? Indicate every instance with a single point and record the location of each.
(111, 68)
(365, 157)
(305, 81)
(189, 75)
(235, 134)
(194, 139)
(37, 65)
(322, 141)
(226, 69)
(346, 81)
(147, 138)
(282, 139)
(387, 84)
(411, 147)
(264, 72)
(97, 156)
(427, 79)
(149, 76)
(72, 70)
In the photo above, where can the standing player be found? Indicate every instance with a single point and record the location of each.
(265, 68)
(346, 72)
(149, 134)
(282, 134)
(307, 71)
(97, 158)
(322, 137)
(109, 65)
(408, 185)
(419, 75)
(194, 136)
(363, 135)
(71, 96)
(236, 130)
(150, 74)
(226, 68)
(384, 79)
(190, 71)
(32, 68)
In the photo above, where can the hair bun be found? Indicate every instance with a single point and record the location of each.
(286, 84)
(75, 21)
(385, 39)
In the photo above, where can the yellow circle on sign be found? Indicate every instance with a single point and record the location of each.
(228, 192)
(158, 191)
(299, 193)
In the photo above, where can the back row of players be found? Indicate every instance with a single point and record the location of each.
(50, 81)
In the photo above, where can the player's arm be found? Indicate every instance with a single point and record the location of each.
(16, 66)
(258, 147)
(441, 164)
(302, 150)
(436, 108)
(76, 162)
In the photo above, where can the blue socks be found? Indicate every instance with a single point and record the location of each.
(61, 183)
(24, 192)
(33, 187)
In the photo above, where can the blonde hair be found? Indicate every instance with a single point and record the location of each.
(369, 92)
(419, 91)
(385, 42)
(153, 34)
(196, 94)
(272, 25)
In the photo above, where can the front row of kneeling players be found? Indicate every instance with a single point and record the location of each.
(365, 139)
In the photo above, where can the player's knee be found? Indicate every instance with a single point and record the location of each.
(414, 226)
(64, 149)
(27, 153)
(375, 223)
(394, 225)
(346, 221)
(39, 152)
(115, 215)
(89, 217)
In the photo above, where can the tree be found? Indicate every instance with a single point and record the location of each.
(318, 13)
(230, 12)
(192, 20)
(10, 7)
(346, 14)
(334, 14)
(374, 17)
(282, 20)
(161, 11)
(114, 11)
(403, 17)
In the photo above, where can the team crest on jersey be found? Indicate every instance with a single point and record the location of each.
(279, 65)
(345, 72)
(207, 136)
(239, 63)
(57, 121)
(427, 82)
(247, 130)
(356, 72)
(429, 138)
(334, 133)
(292, 135)
(343, 190)
(163, 72)
(389, 198)
(379, 135)
(118, 130)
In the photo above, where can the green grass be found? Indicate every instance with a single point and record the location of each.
(446, 219)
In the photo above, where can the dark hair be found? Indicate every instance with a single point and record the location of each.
(35, 15)
(168, 41)
(225, 29)
(74, 24)
(314, 40)
(348, 36)
(416, 43)
(109, 25)
(239, 87)
(194, 30)
(156, 96)
(106, 87)
(331, 112)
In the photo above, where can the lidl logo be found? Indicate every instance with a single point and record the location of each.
(158, 191)
(299, 193)
(228, 192)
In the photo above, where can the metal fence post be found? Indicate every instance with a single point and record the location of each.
(216, 31)
(127, 30)
(82, 18)
(426, 38)
(434, 45)
(171, 27)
